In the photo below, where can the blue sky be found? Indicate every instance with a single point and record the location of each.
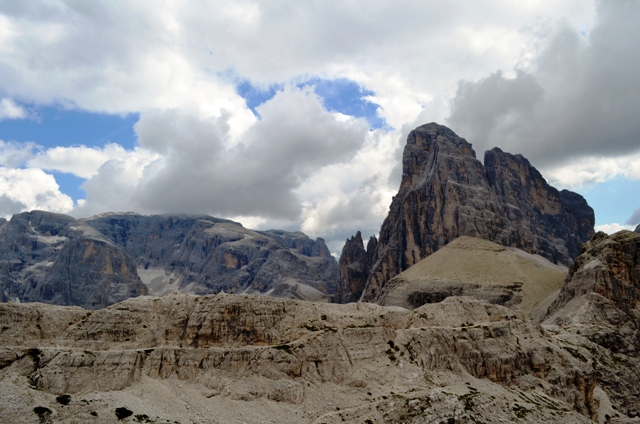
(136, 103)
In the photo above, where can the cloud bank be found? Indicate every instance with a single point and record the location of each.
(553, 80)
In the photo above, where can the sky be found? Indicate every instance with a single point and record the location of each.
(293, 115)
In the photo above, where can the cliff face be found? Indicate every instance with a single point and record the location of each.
(202, 255)
(53, 258)
(96, 262)
(355, 265)
(446, 193)
(257, 359)
(599, 307)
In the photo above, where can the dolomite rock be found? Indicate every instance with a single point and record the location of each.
(387, 364)
(597, 315)
(355, 264)
(55, 259)
(100, 261)
(202, 255)
(446, 193)
(469, 266)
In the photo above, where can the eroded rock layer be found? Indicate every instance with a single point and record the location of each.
(461, 360)
(446, 193)
(597, 315)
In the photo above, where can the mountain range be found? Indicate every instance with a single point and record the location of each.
(487, 297)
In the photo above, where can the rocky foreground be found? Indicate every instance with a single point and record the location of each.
(236, 358)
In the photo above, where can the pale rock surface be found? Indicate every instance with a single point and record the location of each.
(470, 266)
(597, 315)
(234, 358)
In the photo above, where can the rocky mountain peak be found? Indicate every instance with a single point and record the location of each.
(446, 193)
(637, 230)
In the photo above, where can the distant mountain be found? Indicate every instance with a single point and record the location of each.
(99, 261)
(446, 193)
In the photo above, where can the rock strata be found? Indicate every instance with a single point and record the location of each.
(461, 360)
(355, 264)
(102, 260)
(597, 315)
(53, 258)
(446, 193)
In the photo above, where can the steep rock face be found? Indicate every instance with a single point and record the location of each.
(53, 258)
(458, 361)
(446, 193)
(610, 267)
(96, 262)
(598, 312)
(355, 265)
(201, 255)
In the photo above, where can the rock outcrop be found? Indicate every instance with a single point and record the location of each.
(446, 193)
(202, 255)
(234, 358)
(470, 266)
(355, 265)
(96, 262)
(53, 258)
(597, 314)
(637, 230)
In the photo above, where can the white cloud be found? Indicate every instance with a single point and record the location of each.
(10, 110)
(31, 189)
(613, 228)
(13, 154)
(81, 161)
(595, 169)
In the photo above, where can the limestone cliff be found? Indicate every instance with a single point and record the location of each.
(95, 262)
(235, 358)
(53, 258)
(202, 255)
(446, 193)
(355, 265)
(598, 313)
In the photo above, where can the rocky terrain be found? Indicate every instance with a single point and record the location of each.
(100, 261)
(52, 258)
(235, 358)
(470, 266)
(446, 193)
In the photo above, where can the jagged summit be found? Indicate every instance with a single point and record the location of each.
(446, 193)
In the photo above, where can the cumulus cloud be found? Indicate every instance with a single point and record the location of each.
(572, 106)
(13, 154)
(613, 228)
(198, 170)
(9, 206)
(81, 161)
(28, 189)
(10, 110)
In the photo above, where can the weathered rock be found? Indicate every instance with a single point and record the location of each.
(53, 258)
(446, 193)
(597, 315)
(100, 261)
(470, 266)
(202, 255)
(440, 362)
(637, 230)
(355, 265)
